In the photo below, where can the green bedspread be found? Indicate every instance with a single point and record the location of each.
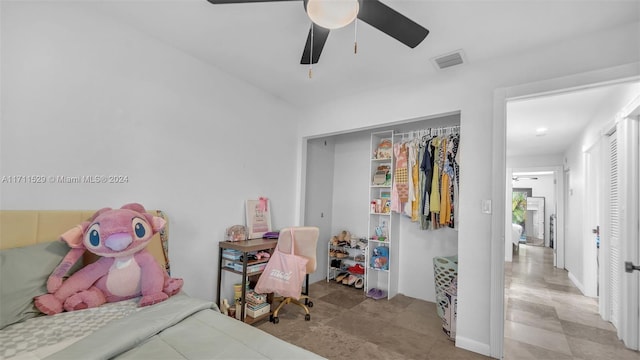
(181, 327)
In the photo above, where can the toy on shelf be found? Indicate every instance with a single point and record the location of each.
(384, 150)
(380, 258)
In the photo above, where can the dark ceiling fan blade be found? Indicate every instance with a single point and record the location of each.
(392, 23)
(242, 1)
(320, 35)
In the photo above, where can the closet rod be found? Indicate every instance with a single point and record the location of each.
(431, 131)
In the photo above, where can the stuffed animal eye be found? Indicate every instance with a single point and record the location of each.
(93, 235)
(139, 228)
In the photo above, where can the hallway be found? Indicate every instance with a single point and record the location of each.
(547, 317)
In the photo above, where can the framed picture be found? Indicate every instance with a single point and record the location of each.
(258, 218)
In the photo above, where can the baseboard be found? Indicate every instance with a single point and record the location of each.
(577, 283)
(473, 345)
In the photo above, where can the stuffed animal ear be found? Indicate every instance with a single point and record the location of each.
(157, 223)
(74, 236)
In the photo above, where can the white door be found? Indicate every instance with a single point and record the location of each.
(614, 245)
(622, 291)
(629, 184)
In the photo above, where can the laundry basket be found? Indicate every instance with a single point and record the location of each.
(445, 269)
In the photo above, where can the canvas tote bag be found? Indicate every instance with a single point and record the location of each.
(283, 274)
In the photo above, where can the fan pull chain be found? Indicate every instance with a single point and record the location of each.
(311, 54)
(355, 37)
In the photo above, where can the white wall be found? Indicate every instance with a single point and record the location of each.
(417, 250)
(351, 184)
(83, 95)
(534, 161)
(470, 89)
(319, 199)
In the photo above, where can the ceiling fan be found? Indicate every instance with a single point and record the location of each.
(332, 14)
(518, 178)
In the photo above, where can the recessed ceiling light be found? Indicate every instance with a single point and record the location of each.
(541, 131)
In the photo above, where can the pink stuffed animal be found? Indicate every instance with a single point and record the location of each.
(125, 270)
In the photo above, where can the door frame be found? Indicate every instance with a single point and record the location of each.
(625, 127)
(559, 210)
(618, 74)
(628, 128)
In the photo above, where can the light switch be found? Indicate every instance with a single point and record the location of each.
(486, 206)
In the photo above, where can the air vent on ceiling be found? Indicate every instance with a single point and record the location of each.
(449, 60)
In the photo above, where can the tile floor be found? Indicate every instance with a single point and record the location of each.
(547, 317)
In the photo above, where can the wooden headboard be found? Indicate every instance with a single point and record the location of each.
(20, 228)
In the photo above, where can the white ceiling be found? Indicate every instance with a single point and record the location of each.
(564, 115)
(262, 43)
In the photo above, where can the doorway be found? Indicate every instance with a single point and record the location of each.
(543, 186)
(583, 81)
(535, 233)
(519, 211)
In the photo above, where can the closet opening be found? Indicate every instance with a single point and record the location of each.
(337, 195)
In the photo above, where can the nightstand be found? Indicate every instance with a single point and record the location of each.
(240, 267)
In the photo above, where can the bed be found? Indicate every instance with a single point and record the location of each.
(516, 233)
(181, 327)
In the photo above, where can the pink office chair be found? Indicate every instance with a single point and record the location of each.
(306, 241)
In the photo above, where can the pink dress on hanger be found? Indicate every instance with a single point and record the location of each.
(402, 173)
(398, 177)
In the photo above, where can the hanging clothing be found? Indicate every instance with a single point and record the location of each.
(456, 184)
(434, 203)
(422, 179)
(455, 144)
(426, 165)
(427, 177)
(445, 201)
(399, 181)
(446, 193)
(402, 177)
(406, 210)
(415, 201)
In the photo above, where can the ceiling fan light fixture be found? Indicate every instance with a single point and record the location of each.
(332, 14)
(541, 131)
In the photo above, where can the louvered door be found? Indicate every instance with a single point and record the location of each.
(615, 260)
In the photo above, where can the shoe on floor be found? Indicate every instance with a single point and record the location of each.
(379, 294)
(359, 284)
(371, 292)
